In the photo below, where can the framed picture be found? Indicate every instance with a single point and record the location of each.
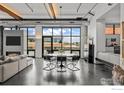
(112, 40)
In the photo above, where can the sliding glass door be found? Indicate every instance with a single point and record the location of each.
(47, 45)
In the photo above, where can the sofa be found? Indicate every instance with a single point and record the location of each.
(118, 75)
(11, 65)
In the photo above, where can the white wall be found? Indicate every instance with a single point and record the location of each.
(100, 36)
(12, 48)
(99, 11)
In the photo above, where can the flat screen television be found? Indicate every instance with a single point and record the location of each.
(13, 40)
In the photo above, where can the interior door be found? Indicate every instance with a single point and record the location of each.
(47, 45)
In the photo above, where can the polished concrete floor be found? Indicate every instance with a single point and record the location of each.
(89, 74)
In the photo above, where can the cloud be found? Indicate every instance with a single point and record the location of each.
(57, 31)
(47, 31)
(31, 31)
(66, 39)
(66, 31)
(75, 39)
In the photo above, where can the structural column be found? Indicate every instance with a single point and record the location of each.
(38, 41)
(25, 42)
(1, 40)
(83, 39)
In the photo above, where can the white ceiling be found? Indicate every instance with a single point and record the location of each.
(68, 10)
(4, 15)
(39, 11)
(112, 16)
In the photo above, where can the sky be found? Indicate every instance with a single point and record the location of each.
(65, 31)
(57, 31)
(31, 31)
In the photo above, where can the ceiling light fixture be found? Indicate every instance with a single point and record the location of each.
(72, 22)
(10, 11)
(38, 22)
(109, 4)
(90, 11)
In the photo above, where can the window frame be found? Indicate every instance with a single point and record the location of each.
(61, 36)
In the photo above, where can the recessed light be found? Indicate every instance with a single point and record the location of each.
(38, 22)
(72, 22)
(4, 22)
(109, 4)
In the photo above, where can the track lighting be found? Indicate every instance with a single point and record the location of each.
(91, 13)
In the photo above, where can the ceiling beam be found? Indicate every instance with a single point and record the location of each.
(9, 11)
(33, 19)
(52, 10)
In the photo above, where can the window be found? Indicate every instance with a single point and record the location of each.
(112, 29)
(23, 29)
(47, 32)
(57, 43)
(76, 43)
(75, 31)
(31, 32)
(57, 31)
(31, 41)
(7, 28)
(66, 38)
(117, 29)
(66, 44)
(66, 31)
(13, 28)
(30, 38)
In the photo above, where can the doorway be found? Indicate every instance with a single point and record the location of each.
(47, 45)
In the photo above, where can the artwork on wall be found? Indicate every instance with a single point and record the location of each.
(112, 41)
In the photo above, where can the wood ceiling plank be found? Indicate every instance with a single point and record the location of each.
(9, 11)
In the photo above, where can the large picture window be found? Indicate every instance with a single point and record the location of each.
(65, 38)
(30, 40)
